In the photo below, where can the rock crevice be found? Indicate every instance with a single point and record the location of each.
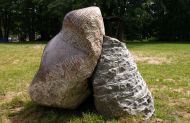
(69, 60)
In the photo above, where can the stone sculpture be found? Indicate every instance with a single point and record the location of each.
(119, 89)
(68, 60)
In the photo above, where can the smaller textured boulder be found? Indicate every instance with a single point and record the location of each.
(119, 89)
(69, 60)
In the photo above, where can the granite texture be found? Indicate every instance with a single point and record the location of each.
(68, 60)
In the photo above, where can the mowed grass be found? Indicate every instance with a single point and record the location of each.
(164, 66)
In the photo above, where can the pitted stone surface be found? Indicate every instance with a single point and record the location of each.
(68, 60)
(119, 89)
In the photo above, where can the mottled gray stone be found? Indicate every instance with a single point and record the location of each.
(119, 89)
(68, 60)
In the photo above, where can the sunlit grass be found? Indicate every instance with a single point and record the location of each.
(164, 66)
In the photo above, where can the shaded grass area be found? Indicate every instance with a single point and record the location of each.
(165, 67)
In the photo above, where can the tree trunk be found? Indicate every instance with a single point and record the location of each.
(120, 31)
(44, 36)
(31, 36)
(6, 25)
(22, 37)
(114, 27)
(1, 32)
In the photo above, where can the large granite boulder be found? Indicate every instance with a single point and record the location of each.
(68, 60)
(119, 89)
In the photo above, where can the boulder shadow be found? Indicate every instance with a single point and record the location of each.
(34, 113)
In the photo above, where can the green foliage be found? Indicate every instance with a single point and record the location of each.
(140, 19)
(174, 21)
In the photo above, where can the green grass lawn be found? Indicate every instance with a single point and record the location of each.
(164, 66)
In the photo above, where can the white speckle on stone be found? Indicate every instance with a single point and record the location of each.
(119, 89)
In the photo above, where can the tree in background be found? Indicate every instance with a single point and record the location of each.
(130, 16)
(173, 21)
(6, 12)
(124, 19)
